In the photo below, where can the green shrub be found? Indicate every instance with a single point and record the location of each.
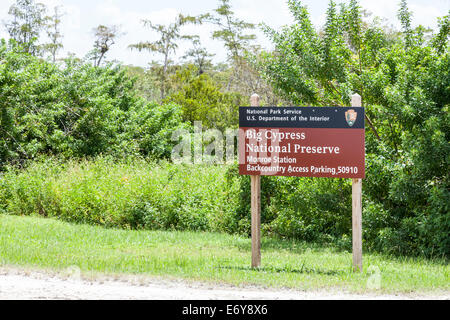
(150, 128)
(202, 100)
(76, 110)
(131, 193)
(135, 193)
(313, 209)
(300, 208)
(403, 79)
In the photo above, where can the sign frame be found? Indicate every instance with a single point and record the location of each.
(255, 183)
(302, 141)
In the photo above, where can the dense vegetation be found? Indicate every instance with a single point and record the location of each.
(404, 82)
(89, 141)
(125, 194)
(76, 110)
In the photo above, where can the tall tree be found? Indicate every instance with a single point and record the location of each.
(105, 39)
(321, 68)
(237, 36)
(167, 44)
(28, 20)
(440, 40)
(199, 55)
(404, 16)
(54, 33)
(232, 31)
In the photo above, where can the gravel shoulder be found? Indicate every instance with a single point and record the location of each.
(21, 284)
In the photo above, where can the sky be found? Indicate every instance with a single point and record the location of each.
(82, 16)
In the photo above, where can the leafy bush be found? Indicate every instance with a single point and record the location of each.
(202, 100)
(404, 82)
(76, 110)
(300, 208)
(132, 193)
(135, 193)
(150, 128)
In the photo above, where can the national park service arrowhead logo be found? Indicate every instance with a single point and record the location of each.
(351, 117)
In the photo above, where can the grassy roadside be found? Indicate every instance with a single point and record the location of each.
(50, 244)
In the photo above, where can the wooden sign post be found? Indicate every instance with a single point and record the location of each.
(357, 210)
(320, 142)
(256, 207)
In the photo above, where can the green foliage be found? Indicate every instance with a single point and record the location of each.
(297, 208)
(132, 193)
(202, 100)
(440, 41)
(313, 209)
(76, 111)
(308, 67)
(150, 127)
(146, 81)
(28, 20)
(198, 55)
(166, 45)
(135, 193)
(404, 83)
(232, 31)
(241, 76)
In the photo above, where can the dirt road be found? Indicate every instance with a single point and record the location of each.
(22, 284)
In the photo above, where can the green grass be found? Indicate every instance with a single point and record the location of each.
(50, 244)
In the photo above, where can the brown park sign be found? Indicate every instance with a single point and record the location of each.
(302, 141)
